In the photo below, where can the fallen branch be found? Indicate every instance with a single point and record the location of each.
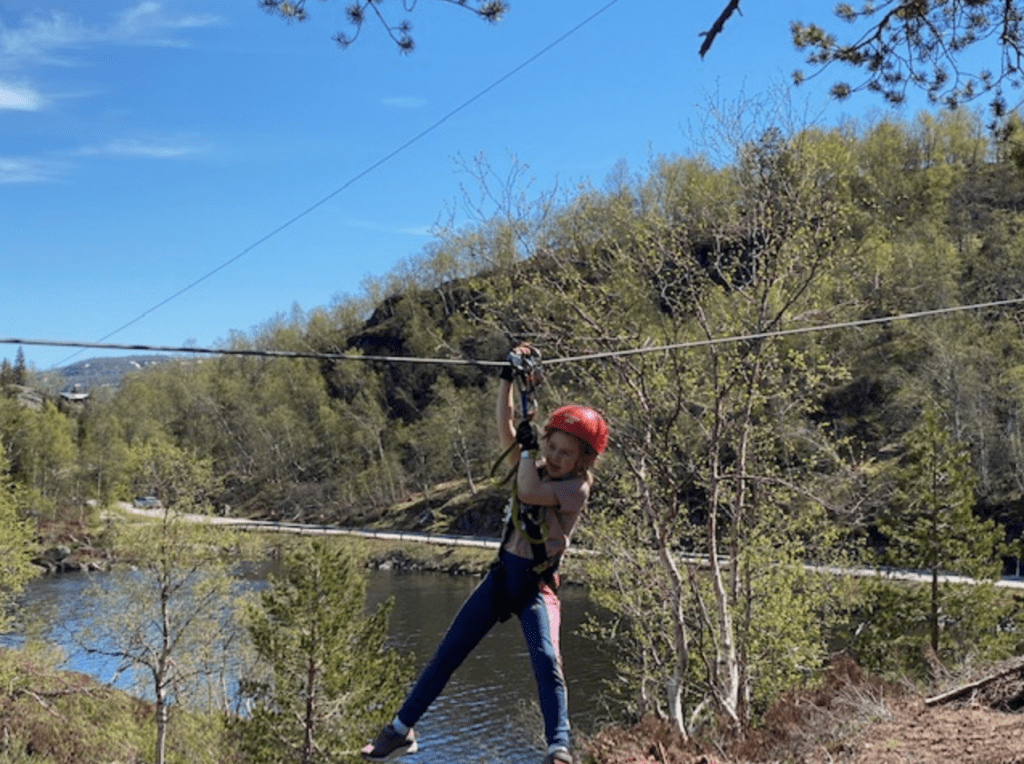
(959, 692)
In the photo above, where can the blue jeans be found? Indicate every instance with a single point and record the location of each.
(511, 581)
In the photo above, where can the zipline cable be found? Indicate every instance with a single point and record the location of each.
(258, 353)
(358, 176)
(852, 324)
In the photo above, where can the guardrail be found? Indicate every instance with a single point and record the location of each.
(483, 542)
(441, 539)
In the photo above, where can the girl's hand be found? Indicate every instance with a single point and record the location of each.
(526, 436)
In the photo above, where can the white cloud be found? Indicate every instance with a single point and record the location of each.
(130, 147)
(375, 225)
(19, 98)
(20, 170)
(147, 24)
(148, 16)
(55, 38)
(49, 38)
(61, 38)
(36, 41)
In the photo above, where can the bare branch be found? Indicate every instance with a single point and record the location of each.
(716, 28)
(400, 33)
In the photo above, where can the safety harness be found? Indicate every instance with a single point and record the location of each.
(527, 518)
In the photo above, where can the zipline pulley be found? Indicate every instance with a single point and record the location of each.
(524, 372)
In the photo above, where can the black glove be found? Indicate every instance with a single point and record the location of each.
(526, 436)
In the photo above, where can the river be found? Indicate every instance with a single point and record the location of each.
(488, 711)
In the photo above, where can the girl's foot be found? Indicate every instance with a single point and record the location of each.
(389, 745)
(559, 756)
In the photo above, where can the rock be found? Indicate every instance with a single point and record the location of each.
(57, 553)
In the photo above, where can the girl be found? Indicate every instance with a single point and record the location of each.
(551, 492)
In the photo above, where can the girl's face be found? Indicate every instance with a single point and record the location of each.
(562, 454)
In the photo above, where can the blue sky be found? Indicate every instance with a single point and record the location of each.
(143, 144)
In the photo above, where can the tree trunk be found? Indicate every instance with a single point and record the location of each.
(725, 684)
(161, 725)
(677, 681)
(309, 722)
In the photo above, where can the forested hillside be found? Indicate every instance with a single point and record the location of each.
(727, 311)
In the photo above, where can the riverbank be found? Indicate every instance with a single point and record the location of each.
(450, 530)
(61, 717)
(52, 716)
(850, 719)
(494, 688)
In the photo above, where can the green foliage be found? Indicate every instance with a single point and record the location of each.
(930, 526)
(171, 619)
(760, 453)
(17, 547)
(39, 446)
(787, 616)
(60, 717)
(332, 679)
(715, 445)
(16, 373)
(891, 632)
(170, 622)
(52, 717)
(628, 588)
(898, 46)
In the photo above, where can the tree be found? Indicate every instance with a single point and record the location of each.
(916, 44)
(904, 44)
(174, 620)
(447, 439)
(716, 449)
(17, 546)
(898, 44)
(930, 524)
(357, 12)
(39, 446)
(332, 678)
(19, 372)
(103, 451)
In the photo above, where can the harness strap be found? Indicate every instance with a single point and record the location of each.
(524, 518)
(526, 376)
(500, 459)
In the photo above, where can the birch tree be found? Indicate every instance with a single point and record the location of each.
(715, 451)
(169, 620)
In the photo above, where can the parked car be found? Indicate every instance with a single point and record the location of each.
(147, 502)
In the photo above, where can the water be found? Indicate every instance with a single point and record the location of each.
(492, 697)
(488, 711)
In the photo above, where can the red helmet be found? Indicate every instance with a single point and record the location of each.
(581, 421)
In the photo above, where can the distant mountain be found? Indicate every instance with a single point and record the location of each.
(96, 372)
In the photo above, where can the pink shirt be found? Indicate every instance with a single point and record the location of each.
(572, 496)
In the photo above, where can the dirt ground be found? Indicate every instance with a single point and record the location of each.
(964, 735)
(854, 720)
